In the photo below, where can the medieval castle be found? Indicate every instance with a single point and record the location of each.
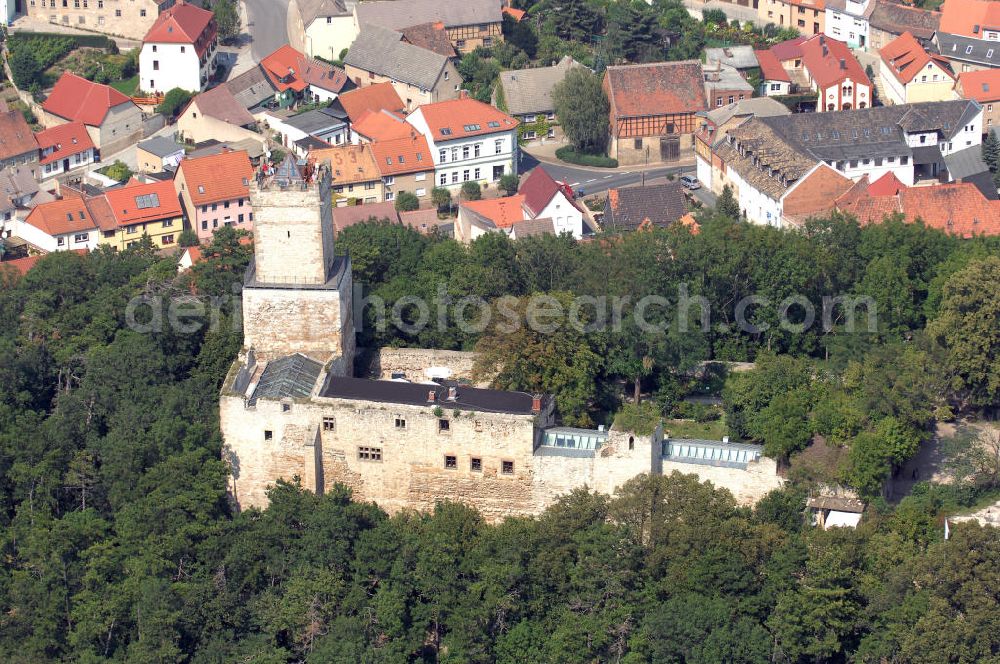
(291, 407)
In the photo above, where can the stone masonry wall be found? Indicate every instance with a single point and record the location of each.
(318, 328)
(413, 362)
(747, 486)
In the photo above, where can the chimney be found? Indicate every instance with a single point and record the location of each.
(463, 94)
(439, 26)
(822, 39)
(536, 403)
(826, 51)
(431, 396)
(452, 394)
(843, 64)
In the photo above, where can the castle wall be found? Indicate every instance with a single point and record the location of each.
(747, 486)
(318, 328)
(413, 362)
(293, 234)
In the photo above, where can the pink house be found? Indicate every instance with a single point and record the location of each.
(215, 191)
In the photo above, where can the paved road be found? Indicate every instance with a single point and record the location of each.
(598, 180)
(267, 25)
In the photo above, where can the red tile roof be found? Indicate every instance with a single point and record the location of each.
(516, 14)
(539, 188)
(983, 86)
(67, 215)
(887, 185)
(20, 265)
(136, 202)
(829, 62)
(770, 67)
(67, 139)
(905, 58)
(788, 49)
(403, 155)
(504, 212)
(219, 177)
(461, 118)
(15, 135)
(963, 17)
(658, 88)
(291, 69)
(815, 193)
(381, 96)
(77, 99)
(381, 125)
(350, 164)
(344, 217)
(184, 24)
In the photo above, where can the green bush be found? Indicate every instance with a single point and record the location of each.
(173, 102)
(407, 201)
(571, 156)
(471, 191)
(117, 171)
(641, 418)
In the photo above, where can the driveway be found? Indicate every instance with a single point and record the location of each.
(267, 25)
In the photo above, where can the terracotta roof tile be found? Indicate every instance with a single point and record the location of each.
(905, 58)
(287, 68)
(15, 135)
(815, 193)
(958, 209)
(461, 118)
(344, 217)
(397, 156)
(516, 14)
(983, 86)
(829, 62)
(136, 202)
(887, 185)
(770, 67)
(896, 19)
(219, 177)
(67, 139)
(539, 188)
(657, 205)
(184, 23)
(788, 49)
(969, 17)
(658, 88)
(77, 99)
(381, 96)
(504, 212)
(68, 215)
(381, 126)
(350, 164)
(424, 221)
(431, 36)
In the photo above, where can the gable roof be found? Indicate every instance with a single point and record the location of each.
(397, 156)
(310, 10)
(896, 19)
(983, 86)
(344, 217)
(349, 164)
(75, 98)
(539, 189)
(740, 57)
(829, 62)
(384, 52)
(15, 135)
(464, 117)
(287, 69)
(161, 146)
(658, 88)
(68, 139)
(761, 107)
(431, 36)
(381, 125)
(183, 23)
(814, 194)
(221, 104)
(136, 202)
(68, 215)
(251, 88)
(314, 121)
(503, 212)
(770, 67)
(887, 185)
(395, 14)
(968, 18)
(905, 58)
(371, 98)
(659, 205)
(218, 177)
(788, 49)
(529, 91)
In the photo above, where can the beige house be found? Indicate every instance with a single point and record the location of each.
(353, 173)
(323, 28)
(113, 121)
(470, 23)
(420, 76)
(910, 74)
(216, 114)
(131, 19)
(406, 164)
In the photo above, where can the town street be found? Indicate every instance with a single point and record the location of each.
(267, 26)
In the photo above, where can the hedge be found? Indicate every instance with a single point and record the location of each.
(569, 155)
(93, 41)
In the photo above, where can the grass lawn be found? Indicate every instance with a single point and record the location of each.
(691, 429)
(129, 86)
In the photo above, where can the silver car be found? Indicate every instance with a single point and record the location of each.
(690, 182)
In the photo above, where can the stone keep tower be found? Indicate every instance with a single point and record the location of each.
(297, 296)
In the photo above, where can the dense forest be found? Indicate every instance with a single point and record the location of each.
(119, 543)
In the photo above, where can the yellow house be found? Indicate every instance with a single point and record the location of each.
(139, 209)
(910, 74)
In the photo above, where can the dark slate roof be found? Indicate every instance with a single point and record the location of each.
(384, 52)
(869, 132)
(314, 121)
(983, 181)
(895, 18)
(927, 154)
(288, 377)
(161, 146)
(312, 143)
(662, 204)
(251, 88)
(966, 49)
(963, 163)
(415, 394)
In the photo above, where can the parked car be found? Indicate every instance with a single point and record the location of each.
(690, 182)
